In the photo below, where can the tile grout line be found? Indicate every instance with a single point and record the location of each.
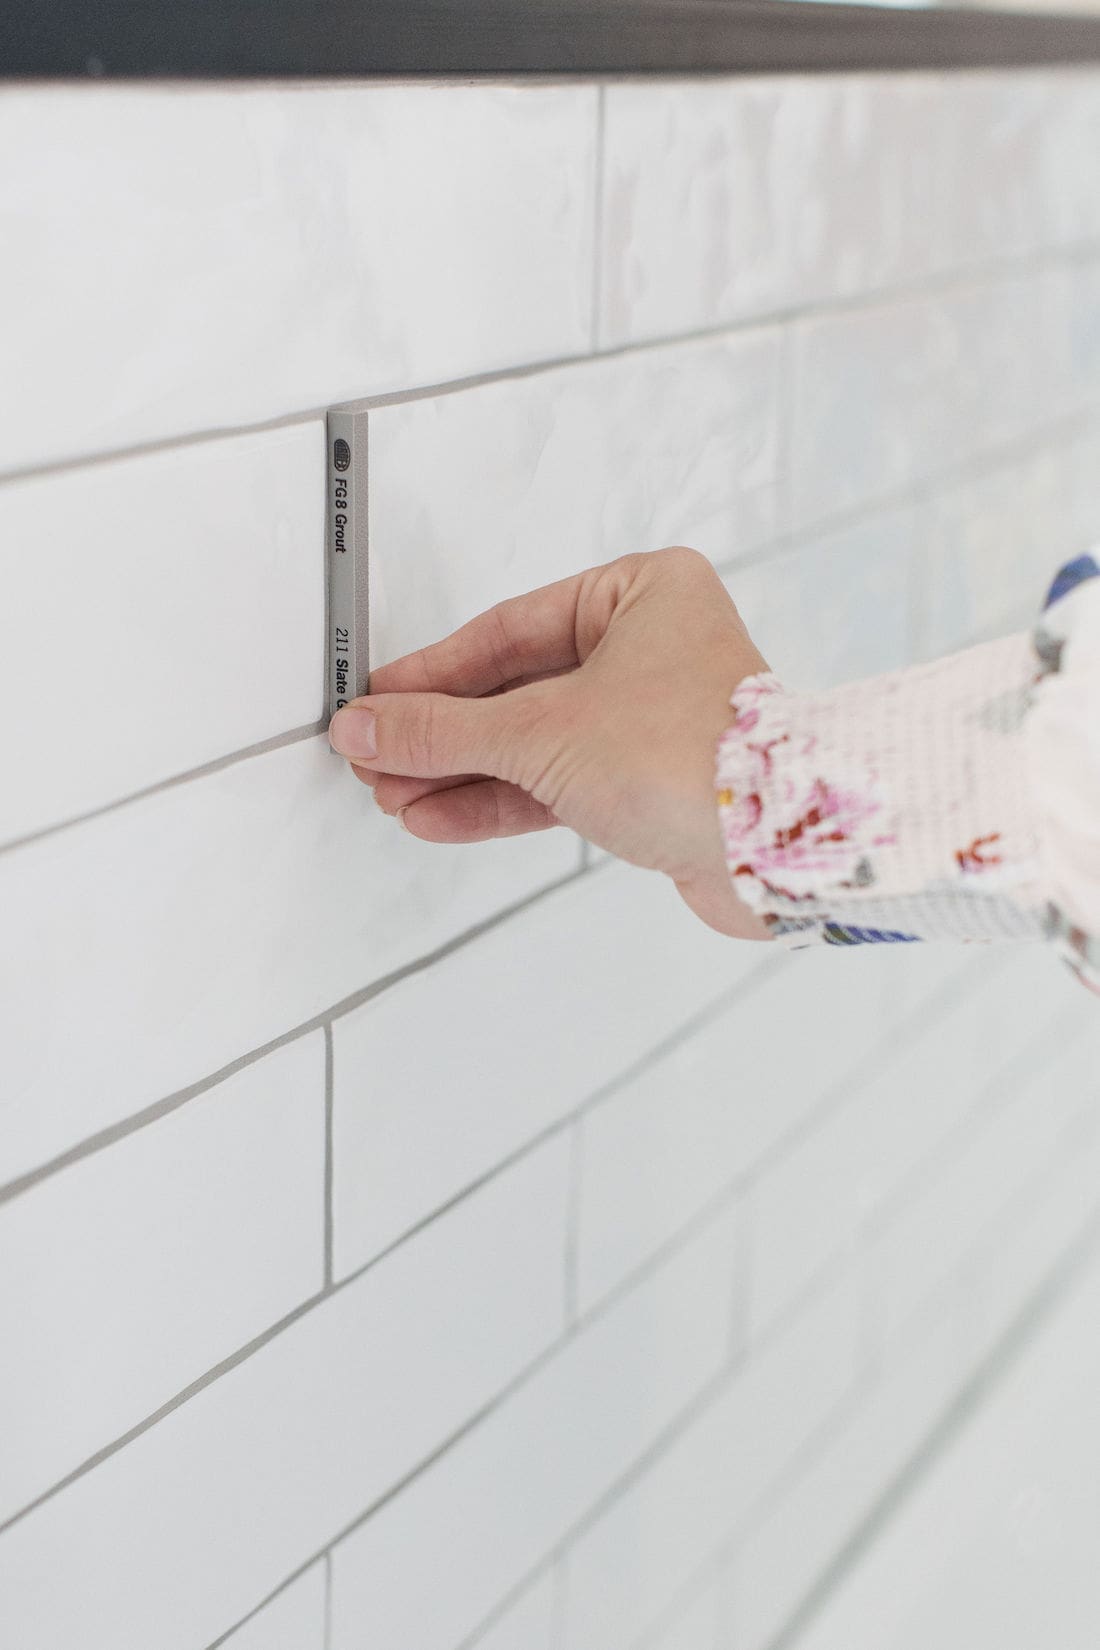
(1027, 1324)
(328, 1168)
(682, 1235)
(960, 279)
(217, 764)
(713, 1210)
(915, 494)
(172, 1102)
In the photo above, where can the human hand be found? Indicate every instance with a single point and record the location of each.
(595, 702)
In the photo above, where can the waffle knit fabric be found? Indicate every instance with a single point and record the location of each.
(957, 800)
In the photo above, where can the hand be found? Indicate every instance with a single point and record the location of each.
(596, 702)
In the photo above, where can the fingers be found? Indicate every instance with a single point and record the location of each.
(434, 736)
(475, 812)
(524, 636)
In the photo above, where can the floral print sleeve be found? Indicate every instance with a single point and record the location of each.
(956, 800)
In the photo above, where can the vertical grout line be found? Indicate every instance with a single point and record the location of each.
(328, 1157)
(572, 1224)
(597, 216)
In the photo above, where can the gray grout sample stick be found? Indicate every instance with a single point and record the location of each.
(346, 556)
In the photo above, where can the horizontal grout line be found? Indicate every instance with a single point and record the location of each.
(1054, 1291)
(518, 1382)
(172, 1102)
(218, 764)
(1027, 1322)
(960, 278)
(918, 492)
(915, 493)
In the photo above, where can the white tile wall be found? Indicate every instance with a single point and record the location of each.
(817, 1202)
(704, 1115)
(836, 606)
(294, 1620)
(488, 492)
(887, 440)
(624, 1569)
(1029, 1130)
(520, 1074)
(496, 1504)
(203, 921)
(186, 1529)
(790, 1548)
(731, 197)
(236, 254)
(695, 1628)
(164, 610)
(134, 1271)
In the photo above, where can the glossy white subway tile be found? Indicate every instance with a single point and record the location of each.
(160, 611)
(526, 1023)
(738, 197)
(495, 490)
(178, 1535)
(134, 1271)
(144, 950)
(217, 255)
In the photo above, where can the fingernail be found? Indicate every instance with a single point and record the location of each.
(351, 732)
(400, 817)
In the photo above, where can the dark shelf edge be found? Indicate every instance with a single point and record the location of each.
(244, 39)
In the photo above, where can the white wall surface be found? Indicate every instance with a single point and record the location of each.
(435, 1248)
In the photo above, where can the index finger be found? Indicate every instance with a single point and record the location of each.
(524, 635)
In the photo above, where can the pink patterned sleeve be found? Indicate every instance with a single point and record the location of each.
(957, 800)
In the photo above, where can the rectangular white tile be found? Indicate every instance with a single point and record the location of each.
(790, 1548)
(817, 1202)
(996, 1542)
(1021, 1140)
(498, 1502)
(1033, 1236)
(873, 408)
(132, 1272)
(294, 1620)
(835, 607)
(160, 611)
(995, 125)
(181, 1533)
(889, 395)
(733, 197)
(183, 258)
(627, 1566)
(701, 1117)
(145, 949)
(495, 490)
(479, 1053)
(979, 565)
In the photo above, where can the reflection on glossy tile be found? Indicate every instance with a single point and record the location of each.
(226, 256)
(741, 197)
(160, 612)
(492, 491)
(833, 608)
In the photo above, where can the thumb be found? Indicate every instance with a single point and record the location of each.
(434, 735)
